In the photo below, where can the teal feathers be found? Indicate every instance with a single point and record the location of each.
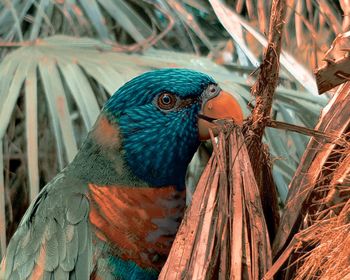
(126, 269)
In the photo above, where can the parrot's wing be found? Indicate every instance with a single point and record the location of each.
(53, 240)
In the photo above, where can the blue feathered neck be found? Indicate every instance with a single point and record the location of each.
(126, 269)
(158, 145)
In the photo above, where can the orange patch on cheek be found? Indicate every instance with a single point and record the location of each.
(105, 133)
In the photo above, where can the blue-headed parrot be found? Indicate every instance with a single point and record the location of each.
(114, 211)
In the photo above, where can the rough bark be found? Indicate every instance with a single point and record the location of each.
(264, 90)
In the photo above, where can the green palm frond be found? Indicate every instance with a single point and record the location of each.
(117, 22)
(47, 17)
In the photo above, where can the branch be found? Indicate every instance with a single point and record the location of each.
(263, 90)
(266, 84)
(339, 140)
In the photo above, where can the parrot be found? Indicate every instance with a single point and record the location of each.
(114, 211)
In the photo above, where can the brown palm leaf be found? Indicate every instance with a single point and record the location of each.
(319, 194)
(223, 233)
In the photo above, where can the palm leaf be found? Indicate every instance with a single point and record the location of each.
(228, 18)
(2, 203)
(31, 103)
(79, 17)
(110, 20)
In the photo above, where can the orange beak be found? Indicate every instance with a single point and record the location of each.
(222, 106)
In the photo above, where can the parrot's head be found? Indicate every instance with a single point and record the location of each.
(161, 117)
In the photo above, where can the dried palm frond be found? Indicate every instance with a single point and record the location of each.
(223, 233)
(335, 71)
(310, 28)
(318, 192)
(319, 161)
(234, 24)
(329, 259)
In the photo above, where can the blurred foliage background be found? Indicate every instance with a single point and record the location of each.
(61, 59)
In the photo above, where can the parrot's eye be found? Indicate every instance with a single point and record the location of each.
(166, 101)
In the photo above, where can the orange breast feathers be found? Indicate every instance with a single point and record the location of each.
(140, 223)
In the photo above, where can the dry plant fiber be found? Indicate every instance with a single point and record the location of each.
(329, 258)
(223, 234)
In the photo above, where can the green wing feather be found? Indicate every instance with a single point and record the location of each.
(54, 236)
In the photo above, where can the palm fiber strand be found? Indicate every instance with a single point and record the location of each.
(223, 234)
